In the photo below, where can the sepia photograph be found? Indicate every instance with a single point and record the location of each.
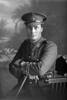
(33, 50)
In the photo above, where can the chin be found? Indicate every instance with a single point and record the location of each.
(34, 38)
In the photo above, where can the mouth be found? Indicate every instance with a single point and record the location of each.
(33, 36)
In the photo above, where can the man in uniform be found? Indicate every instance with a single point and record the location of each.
(36, 53)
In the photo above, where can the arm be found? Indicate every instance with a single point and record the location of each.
(48, 58)
(14, 65)
(20, 53)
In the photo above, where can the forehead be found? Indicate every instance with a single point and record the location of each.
(34, 25)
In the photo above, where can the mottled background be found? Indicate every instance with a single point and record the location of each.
(55, 26)
(13, 33)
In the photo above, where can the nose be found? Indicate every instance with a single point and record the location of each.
(33, 30)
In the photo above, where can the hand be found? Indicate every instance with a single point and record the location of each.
(22, 63)
(17, 62)
(24, 66)
(34, 68)
(33, 77)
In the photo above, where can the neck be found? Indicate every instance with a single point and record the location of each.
(36, 40)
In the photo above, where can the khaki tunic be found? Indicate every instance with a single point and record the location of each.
(43, 52)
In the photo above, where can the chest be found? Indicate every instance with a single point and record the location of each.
(34, 52)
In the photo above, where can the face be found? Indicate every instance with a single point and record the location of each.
(34, 31)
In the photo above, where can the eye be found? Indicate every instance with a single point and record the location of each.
(35, 27)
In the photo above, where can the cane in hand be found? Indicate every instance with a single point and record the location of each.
(25, 78)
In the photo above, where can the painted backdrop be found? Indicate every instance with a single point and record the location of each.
(11, 28)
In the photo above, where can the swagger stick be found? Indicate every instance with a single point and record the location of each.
(27, 74)
(22, 85)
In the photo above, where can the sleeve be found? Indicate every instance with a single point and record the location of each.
(14, 68)
(19, 53)
(48, 58)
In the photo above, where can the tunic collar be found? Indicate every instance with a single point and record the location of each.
(37, 43)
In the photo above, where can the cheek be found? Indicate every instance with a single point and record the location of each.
(39, 30)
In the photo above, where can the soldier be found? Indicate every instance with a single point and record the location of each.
(35, 51)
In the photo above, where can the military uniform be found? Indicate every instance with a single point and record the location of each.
(42, 53)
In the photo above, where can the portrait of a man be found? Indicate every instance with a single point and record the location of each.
(33, 51)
